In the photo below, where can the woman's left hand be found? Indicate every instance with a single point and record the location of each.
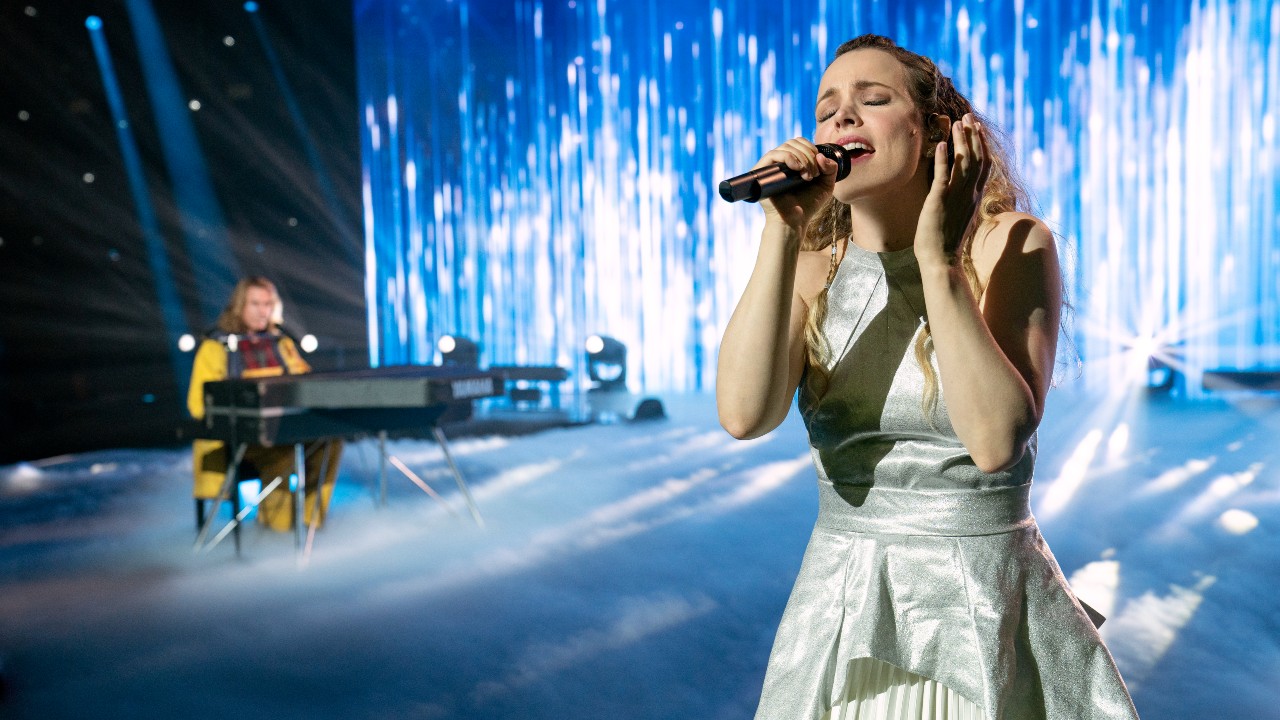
(955, 193)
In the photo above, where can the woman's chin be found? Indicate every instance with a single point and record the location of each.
(853, 190)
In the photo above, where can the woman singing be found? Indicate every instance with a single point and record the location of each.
(917, 312)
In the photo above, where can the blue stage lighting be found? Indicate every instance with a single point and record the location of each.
(251, 6)
(165, 285)
(522, 193)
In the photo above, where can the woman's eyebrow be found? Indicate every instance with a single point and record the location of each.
(859, 85)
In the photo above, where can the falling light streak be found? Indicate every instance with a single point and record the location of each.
(1150, 155)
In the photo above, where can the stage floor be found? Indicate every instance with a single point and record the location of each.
(624, 571)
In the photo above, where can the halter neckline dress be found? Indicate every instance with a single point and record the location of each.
(919, 560)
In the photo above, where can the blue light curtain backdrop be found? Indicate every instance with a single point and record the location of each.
(535, 172)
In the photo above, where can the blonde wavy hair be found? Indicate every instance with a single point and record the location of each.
(232, 318)
(933, 94)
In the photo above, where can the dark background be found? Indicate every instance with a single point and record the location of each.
(85, 361)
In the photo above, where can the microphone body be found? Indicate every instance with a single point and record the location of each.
(777, 178)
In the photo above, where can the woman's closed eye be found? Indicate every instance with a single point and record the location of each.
(826, 115)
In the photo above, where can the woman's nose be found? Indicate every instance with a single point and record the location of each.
(847, 114)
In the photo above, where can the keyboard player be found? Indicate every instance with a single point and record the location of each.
(247, 342)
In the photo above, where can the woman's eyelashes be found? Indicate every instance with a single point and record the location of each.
(827, 114)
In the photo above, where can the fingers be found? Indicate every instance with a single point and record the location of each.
(800, 155)
(941, 177)
(972, 155)
(985, 154)
(960, 141)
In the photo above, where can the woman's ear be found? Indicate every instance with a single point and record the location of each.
(939, 126)
(936, 127)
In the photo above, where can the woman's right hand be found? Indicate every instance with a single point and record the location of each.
(796, 207)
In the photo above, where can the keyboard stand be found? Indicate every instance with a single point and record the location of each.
(384, 457)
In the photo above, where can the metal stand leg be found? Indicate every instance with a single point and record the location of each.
(317, 516)
(227, 486)
(322, 508)
(299, 494)
(382, 468)
(404, 470)
(241, 515)
(235, 515)
(462, 484)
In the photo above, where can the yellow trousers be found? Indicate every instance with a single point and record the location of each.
(321, 461)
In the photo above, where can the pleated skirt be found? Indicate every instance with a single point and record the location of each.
(877, 690)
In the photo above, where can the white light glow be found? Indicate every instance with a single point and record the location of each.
(1148, 625)
(1118, 442)
(1072, 476)
(1237, 521)
(1175, 477)
(1097, 584)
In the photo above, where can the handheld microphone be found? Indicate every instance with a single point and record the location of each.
(777, 178)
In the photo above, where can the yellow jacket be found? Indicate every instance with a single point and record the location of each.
(209, 457)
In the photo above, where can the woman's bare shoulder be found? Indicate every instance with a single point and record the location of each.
(1010, 233)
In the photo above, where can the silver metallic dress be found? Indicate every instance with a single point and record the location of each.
(919, 559)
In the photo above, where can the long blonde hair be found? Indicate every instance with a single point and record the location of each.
(232, 318)
(933, 94)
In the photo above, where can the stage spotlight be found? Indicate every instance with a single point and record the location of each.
(187, 342)
(608, 398)
(251, 6)
(1162, 361)
(607, 363)
(1160, 377)
(1150, 355)
(309, 343)
(457, 351)
(93, 22)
